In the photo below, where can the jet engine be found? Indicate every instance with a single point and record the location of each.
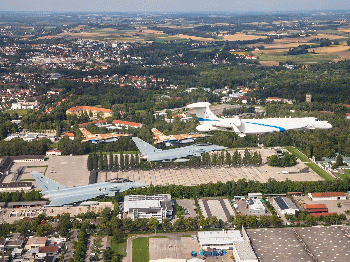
(205, 128)
(229, 123)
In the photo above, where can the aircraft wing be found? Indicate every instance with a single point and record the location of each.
(66, 198)
(173, 154)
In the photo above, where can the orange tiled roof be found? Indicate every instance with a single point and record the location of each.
(93, 122)
(89, 108)
(315, 206)
(69, 134)
(126, 123)
(328, 194)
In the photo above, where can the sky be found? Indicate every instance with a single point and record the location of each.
(172, 5)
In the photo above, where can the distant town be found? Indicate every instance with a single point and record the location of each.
(174, 137)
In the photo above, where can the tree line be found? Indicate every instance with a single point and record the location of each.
(240, 188)
(132, 161)
(20, 196)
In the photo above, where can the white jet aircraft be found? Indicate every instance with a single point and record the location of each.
(210, 122)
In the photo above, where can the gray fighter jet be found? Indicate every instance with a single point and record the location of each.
(182, 154)
(59, 195)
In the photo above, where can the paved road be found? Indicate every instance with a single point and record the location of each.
(69, 245)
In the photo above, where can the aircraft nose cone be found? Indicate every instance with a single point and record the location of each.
(328, 126)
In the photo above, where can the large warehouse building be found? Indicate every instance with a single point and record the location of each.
(285, 205)
(229, 239)
(327, 196)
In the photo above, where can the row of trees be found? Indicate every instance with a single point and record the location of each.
(17, 147)
(130, 161)
(254, 221)
(242, 187)
(20, 196)
(80, 246)
(311, 220)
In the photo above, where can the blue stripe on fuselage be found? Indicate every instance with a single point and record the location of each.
(207, 119)
(260, 124)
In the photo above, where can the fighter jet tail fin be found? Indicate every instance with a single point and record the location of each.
(159, 137)
(46, 184)
(144, 147)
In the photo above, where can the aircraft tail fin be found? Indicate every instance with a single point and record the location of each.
(203, 112)
(144, 147)
(46, 184)
(158, 136)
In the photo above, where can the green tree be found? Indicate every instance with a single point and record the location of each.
(121, 161)
(153, 223)
(338, 162)
(228, 159)
(90, 165)
(246, 157)
(111, 161)
(100, 161)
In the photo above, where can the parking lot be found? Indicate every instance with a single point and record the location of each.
(332, 205)
(68, 170)
(220, 208)
(173, 247)
(189, 206)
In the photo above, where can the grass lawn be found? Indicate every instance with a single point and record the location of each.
(303, 58)
(298, 154)
(320, 171)
(140, 249)
(345, 175)
(119, 248)
(313, 166)
(20, 112)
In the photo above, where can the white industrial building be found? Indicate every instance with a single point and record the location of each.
(327, 196)
(254, 195)
(229, 239)
(256, 206)
(285, 205)
(142, 206)
(219, 239)
(24, 105)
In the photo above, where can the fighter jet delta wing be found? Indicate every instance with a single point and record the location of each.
(96, 138)
(59, 195)
(159, 137)
(182, 154)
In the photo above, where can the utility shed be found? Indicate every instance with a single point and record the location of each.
(254, 195)
(316, 208)
(327, 196)
(285, 205)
